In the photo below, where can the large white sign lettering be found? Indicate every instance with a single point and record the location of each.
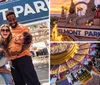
(80, 32)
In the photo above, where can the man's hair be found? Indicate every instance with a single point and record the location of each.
(9, 12)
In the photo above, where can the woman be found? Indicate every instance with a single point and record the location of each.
(20, 42)
(5, 35)
(14, 47)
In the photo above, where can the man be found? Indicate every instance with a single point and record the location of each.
(22, 70)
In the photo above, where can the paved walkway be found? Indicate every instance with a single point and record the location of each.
(42, 70)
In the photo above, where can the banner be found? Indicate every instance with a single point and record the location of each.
(26, 11)
(80, 32)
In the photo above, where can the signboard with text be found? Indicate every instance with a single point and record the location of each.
(26, 11)
(80, 32)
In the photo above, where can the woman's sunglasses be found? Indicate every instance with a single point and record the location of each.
(7, 30)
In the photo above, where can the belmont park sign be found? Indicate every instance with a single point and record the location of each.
(89, 33)
(26, 10)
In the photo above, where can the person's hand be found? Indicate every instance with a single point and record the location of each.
(4, 70)
(1, 50)
(11, 82)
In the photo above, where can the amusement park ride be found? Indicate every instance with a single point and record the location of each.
(69, 59)
(84, 27)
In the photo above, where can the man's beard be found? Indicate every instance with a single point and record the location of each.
(14, 25)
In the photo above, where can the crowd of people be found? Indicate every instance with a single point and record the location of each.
(15, 41)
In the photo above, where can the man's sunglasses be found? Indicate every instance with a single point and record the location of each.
(7, 30)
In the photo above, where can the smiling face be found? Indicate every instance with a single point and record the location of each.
(5, 32)
(12, 20)
(19, 39)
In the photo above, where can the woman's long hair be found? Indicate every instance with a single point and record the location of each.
(3, 42)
